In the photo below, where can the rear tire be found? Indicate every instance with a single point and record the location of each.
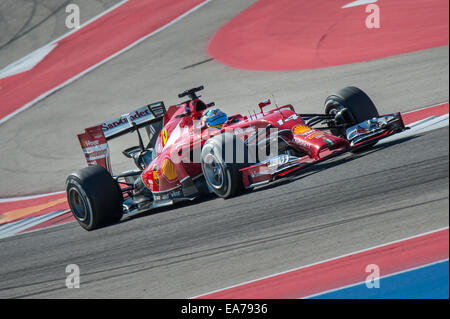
(94, 197)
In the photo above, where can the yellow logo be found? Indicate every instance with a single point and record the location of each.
(315, 135)
(168, 170)
(155, 174)
(299, 129)
(164, 137)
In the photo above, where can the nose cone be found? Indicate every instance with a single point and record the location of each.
(318, 144)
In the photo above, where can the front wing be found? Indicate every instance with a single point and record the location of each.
(359, 136)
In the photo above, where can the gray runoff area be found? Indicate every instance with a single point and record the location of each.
(396, 190)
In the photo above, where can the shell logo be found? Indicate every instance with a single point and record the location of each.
(299, 129)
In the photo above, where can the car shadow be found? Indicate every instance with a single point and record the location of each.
(159, 210)
(332, 162)
(308, 171)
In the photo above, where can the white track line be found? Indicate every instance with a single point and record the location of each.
(53, 43)
(425, 107)
(67, 34)
(79, 75)
(381, 277)
(358, 3)
(16, 199)
(321, 262)
(15, 228)
(27, 63)
(422, 126)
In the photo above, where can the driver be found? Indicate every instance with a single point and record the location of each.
(214, 118)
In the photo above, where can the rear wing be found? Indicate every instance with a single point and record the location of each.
(94, 140)
(141, 117)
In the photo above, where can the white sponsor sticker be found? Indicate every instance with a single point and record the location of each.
(115, 126)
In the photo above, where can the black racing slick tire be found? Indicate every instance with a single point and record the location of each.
(94, 197)
(222, 158)
(355, 100)
(359, 107)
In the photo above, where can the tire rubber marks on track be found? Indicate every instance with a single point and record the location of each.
(90, 47)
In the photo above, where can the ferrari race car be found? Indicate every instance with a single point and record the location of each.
(185, 157)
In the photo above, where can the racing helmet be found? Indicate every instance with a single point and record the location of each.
(214, 118)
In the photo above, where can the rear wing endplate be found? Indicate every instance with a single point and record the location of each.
(95, 147)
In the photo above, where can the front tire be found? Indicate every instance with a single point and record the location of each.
(94, 197)
(359, 108)
(222, 158)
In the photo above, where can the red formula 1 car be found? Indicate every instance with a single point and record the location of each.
(184, 158)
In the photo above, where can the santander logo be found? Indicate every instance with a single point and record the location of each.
(123, 119)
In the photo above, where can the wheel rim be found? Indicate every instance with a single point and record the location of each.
(336, 107)
(78, 204)
(213, 171)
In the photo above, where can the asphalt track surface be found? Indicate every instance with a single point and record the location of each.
(351, 203)
(28, 25)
